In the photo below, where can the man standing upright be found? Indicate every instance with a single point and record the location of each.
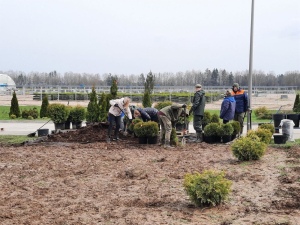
(241, 108)
(198, 111)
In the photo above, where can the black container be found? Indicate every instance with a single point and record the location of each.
(76, 125)
(295, 118)
(209, 139)
(67, 125)
(142, 140)
(277, 119)
(217, 139)
(43, 132)
(280, 138)
(59, 126)
(233, 137)
(226, 138)
(180, 127)
(152, 140)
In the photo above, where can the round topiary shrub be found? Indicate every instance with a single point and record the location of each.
(236, 127)
(25, 114)
(206, 118)
(139, 130)
(12, 116)
(77, 114)
(131, 125)
(268, 126)
(248, 148)
(225, 130)
(58, 113)
(161, 105)
(207, 188)
(215, 118)
(30, 118)
(150, 129)
(211, 129)
(264, 135)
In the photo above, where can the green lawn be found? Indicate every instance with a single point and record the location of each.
(4, 111)
(14, 139)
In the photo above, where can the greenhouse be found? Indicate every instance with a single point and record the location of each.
(6, 83)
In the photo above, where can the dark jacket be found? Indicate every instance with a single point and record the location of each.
(173, 112)
(198, 103)
(228, 108)
(241, 99)
(148, 114)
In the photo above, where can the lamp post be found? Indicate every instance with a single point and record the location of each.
(249, 125)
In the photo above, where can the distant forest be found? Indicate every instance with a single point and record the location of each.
(213, 77)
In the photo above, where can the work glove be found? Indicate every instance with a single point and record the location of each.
(116, 105)
(184, 106)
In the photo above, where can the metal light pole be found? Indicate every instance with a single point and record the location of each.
(249, 125)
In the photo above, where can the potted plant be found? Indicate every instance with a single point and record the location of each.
(68, 122)
(215, 118)
(236, 129)
(140, 132)
(58, 113)
(77, 115)
(225, 131)
(151, 131)
(180, 123)
(210, 132)
(206, 119)
(130, 127)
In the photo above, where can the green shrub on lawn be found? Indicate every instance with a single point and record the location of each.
(268, 126)
(263, 113)
(264, 135)
(248, 148)
(207, 188)
(12, 116)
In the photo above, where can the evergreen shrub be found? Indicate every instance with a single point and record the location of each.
(12, 116)
(43, 111)
(161, 105)
(147, 100)
(77, 114)
(236, 127)
(296, 107)
(211, 129)
(263, 113)
(58, 113)
(131, 125)
(209, 188)
(25, 114)
(30, 117)
(264, 135)
(34, 113)
(150, 129)
(215, 118)
(206, 118)
(268, 126)
(14, 107)
(174, 139)
(139, 130)
(248, 148)
(225, 130)
(93, 109)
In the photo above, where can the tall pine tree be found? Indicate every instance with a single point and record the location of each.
(45, 103)
(14, 107)
(149, 84)
(296, 107)
(114, 89)
(93, 109)
(146, 100)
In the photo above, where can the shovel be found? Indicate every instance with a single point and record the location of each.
(33, 134)
(183, 141)
(125, 133)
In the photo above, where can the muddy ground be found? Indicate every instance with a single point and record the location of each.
(77, 178)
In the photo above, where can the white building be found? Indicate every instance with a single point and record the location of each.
(6, 83)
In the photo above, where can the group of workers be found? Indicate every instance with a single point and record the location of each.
(234, 107)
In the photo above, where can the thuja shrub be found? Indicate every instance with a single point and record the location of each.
(161, 105)
(206, 118)
(174, 139)
(248, 148)
(263, 113)
(12, 116)
(131, 125)
(215, 118)
(139, 130)
(236, 127)
(209, 188)
(264, 135)
(34, 113)
(43, 111)
(268, 126)
(14, 107)
(211, 129)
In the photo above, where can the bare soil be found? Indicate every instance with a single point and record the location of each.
(77, 178)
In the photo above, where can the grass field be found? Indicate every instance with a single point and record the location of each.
(14, 139)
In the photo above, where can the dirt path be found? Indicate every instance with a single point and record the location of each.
(128, 183)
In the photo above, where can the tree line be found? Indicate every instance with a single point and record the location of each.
(208, 77)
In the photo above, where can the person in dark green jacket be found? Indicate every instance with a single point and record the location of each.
(167, 116)
(198, 111)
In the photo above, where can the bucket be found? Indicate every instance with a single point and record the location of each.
(43, 132)
(280, 138)
(152, 140)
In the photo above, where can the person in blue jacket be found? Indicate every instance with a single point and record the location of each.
(228, 107)
(147, 114)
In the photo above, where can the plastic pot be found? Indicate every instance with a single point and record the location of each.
(59, 126)
(142, 140)
(295, 118)
(68, 125)
(152, 140)
(233, 137)
(280, 138)
(217, 139)
(209, 139)
(277, 119)
(76, 125)
(226, 138)
(43, 132)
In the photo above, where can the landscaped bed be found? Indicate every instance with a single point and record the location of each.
(77, 178)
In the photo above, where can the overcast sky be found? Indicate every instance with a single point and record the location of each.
(136, 36)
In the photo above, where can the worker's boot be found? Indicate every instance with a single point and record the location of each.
(116, 138)
(108, 140)
(161, 142)
(199, 137)
(167, 144)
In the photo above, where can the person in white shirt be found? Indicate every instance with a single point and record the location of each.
(115, 111)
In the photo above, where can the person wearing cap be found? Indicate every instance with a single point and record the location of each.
(167, 116)
(228, 107)
(198, 111)
(241, 108)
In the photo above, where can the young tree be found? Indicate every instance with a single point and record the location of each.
(14, 107)
(93, 108)
(114, 89)
(45, 103)
(296, 107)
(149, 84)
(141, 80)
(103, 108)
(147, 100)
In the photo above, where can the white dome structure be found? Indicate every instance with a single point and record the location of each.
(6, 83)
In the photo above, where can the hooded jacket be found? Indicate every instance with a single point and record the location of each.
(228, 108)
(241, 99)
(148, 114)
(173, 111)
(116, 111)
(198, 103)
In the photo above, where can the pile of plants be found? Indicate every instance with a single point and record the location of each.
(30, 114)
(209, 188)
(263, 113)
